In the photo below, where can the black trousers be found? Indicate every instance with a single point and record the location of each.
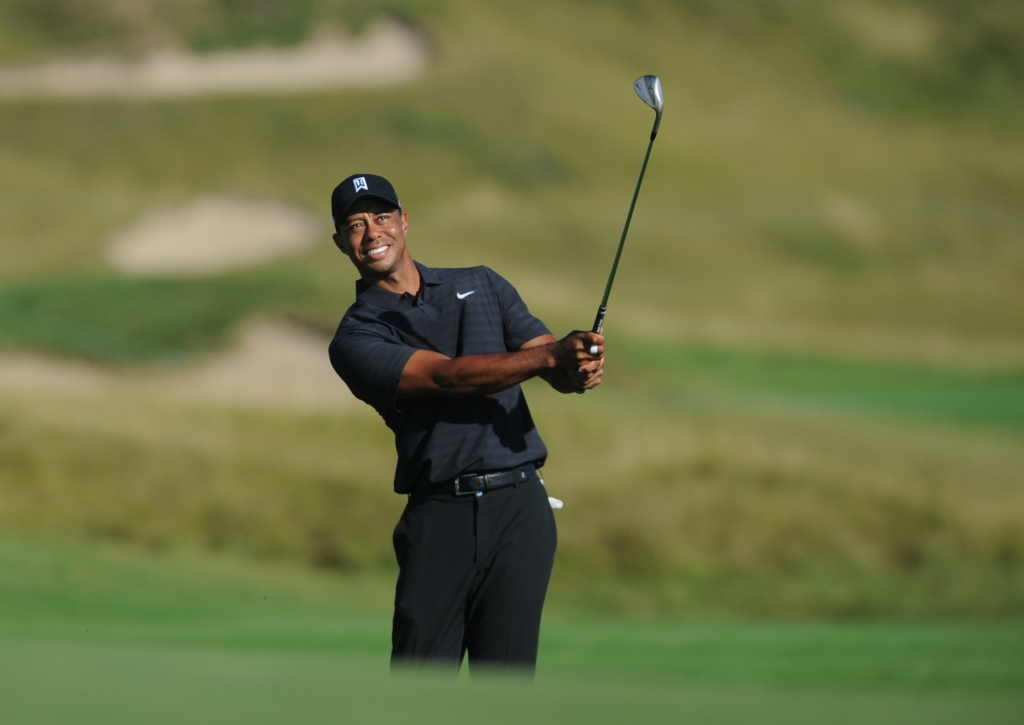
(473, 574)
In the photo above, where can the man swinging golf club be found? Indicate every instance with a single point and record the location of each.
(440, 354)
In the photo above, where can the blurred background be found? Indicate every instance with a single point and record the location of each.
(799, 493)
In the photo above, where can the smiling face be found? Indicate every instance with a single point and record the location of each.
(373, 237)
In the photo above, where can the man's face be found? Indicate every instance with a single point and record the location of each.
(373, 236)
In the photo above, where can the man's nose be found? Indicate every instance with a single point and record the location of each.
(369, 232)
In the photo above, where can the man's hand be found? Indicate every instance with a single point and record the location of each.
(576, 370)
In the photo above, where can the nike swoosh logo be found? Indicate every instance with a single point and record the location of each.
(464, 295)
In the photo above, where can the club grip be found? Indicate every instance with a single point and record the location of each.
(598, 326)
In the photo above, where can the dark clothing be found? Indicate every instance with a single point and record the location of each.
(457, 312)
(474, 569)
(474, 573)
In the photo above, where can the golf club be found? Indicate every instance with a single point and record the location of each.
(649, 90)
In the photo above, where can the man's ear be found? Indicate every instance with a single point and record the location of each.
(342, 243)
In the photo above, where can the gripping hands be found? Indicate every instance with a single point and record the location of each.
(579, 360)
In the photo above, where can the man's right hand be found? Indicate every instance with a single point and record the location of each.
(577, 368)
(573, 350)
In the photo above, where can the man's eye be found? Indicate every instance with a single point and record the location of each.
(383, 218)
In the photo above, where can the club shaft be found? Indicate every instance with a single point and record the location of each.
(599, 321)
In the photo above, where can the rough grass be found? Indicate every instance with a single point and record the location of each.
(770, 512)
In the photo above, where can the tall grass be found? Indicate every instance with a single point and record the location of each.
(711, 512)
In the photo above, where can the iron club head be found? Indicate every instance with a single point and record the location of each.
(649, 90)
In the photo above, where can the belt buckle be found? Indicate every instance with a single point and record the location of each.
(461, 493)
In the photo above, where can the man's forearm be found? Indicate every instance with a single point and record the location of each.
(429, 373)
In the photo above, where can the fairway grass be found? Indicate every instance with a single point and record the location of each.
(688, 375)
(45, 684)
(94, 634)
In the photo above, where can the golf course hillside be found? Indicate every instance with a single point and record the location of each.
(814, 399)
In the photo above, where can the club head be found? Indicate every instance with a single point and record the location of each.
(649, 90)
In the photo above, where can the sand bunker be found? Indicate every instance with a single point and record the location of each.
(274, 366)
(212, 235)
(388, 54)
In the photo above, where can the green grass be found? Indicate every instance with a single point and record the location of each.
(695, 375)
(72, 592)
(134, 320)
(670, 510)
(130, 685)
(131, 637)
(814, 397)
(797, 499)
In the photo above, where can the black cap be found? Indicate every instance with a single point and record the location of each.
(357, 186)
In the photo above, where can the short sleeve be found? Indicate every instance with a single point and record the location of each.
(519, 325)
(370, 365)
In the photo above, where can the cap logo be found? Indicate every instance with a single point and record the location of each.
(360, 184)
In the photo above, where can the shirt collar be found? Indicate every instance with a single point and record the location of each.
(428, 274)
(377, 296)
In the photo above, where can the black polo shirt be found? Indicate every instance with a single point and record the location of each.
(471, 311)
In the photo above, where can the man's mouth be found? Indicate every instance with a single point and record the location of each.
(377, 252)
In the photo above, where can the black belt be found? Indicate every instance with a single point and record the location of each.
(470, 484)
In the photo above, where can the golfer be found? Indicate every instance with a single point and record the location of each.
(440, 354)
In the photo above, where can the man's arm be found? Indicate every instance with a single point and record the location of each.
(431, 373)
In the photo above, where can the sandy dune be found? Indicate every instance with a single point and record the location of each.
(274, 366)
(388, 54)
(211, 235)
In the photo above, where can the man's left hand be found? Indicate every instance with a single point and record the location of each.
(588, 376)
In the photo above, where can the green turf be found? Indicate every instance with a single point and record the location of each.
(89, 595)
(56, 684)
(707, 376)
(95, 634)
